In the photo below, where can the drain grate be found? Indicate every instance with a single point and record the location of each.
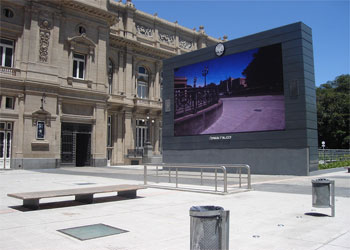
(92, 231)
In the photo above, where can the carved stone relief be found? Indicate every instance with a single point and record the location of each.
(185, 44)
(166, 38)
(44, 35)
(144, 31)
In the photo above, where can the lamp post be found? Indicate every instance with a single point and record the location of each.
(148, 132)
(148, 149)
(324, 153)
(205, 73)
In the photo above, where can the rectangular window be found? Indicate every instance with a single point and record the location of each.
(78, 66)
(10, 103)
(141, 133)
(40, 130)
(142, 90)
(6, 52)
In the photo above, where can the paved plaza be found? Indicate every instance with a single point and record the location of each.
(254, 113)
(274, 215)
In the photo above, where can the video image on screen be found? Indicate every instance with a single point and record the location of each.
(241, 92)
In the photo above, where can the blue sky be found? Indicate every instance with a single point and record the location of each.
(329, 20)
(224, 67)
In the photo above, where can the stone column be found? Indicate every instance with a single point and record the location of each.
(100, 135)
(128, 75)
(120, 140)
(18, 152)
(128, 132)
(58, 128)
(22, 51)
(130, 24)
(121, 80)
(157, 82)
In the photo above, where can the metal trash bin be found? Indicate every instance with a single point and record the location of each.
(323, 194)
(209, 228)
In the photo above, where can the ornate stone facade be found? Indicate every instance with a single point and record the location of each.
(89, 74)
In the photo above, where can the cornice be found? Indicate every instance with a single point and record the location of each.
(90, 10)
(143, 49)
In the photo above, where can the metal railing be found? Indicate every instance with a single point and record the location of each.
(191, 100)
(187, 171)
(332, 155)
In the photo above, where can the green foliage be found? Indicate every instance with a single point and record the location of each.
(333, 103)
(336, 164)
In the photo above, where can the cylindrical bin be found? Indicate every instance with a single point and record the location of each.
(209, 228)
(323, 194)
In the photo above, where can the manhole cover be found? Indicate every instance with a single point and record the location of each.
(92, 231)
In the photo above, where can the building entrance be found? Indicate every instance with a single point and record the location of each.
(5, 144)
(76, 144)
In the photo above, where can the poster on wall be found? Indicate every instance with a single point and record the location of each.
(236, 93)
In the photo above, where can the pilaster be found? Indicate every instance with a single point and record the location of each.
(128, 142)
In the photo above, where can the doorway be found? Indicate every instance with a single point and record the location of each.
(5, 144)
(82, 150)
(76, 144)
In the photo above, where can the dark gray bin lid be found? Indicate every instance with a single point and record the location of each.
(321, 181)
(205, 211)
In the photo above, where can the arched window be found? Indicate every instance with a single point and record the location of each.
(7, 12)
(110, 76)
(81, 30)
(142, 83)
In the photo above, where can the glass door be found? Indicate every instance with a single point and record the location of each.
(5, 149)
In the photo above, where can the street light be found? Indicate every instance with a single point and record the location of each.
(148, 140)
(205, 73)
(148, 132)
(324, 153)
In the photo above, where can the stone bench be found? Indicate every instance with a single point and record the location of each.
(84, 195)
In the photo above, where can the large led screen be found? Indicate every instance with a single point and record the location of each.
(241, 92)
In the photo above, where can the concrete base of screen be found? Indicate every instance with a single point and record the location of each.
(278, 161)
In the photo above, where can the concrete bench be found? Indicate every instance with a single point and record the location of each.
(84, 195)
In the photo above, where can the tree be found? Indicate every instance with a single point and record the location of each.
(333, 103)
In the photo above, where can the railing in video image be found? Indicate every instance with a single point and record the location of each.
(217, 179)
(191, 100)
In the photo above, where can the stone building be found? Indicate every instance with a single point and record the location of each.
(81, 81)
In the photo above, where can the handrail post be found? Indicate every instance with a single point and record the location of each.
(176, 177)
(145, 174)
(240, 177)
(169, 175)
(225, 179)
(249, 178)
(216, 179)
(201, 176)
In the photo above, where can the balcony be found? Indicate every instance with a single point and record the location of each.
(9, 71)
(147, 103)
(135, 153)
